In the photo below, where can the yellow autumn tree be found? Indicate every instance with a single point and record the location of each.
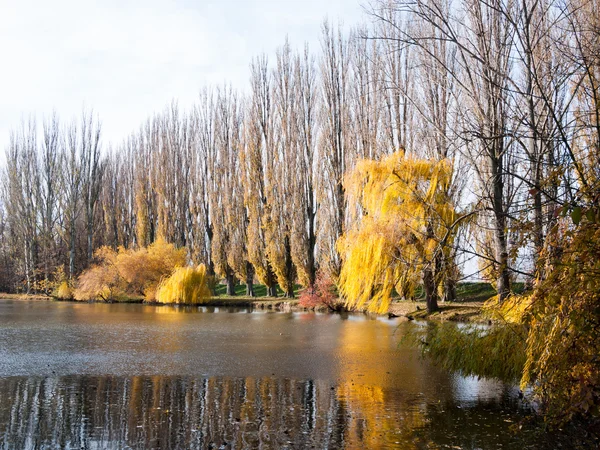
(143, 269)
(187, 285)
(563, 317)
(405, 234)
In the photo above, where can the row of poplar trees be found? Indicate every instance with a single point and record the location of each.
(251, 182)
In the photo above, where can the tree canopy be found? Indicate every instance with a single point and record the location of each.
(405, 229)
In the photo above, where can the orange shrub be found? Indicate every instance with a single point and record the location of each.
(129, 273)
(143, 269)
(101, 281)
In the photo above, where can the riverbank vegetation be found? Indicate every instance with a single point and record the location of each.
(129, 273)
(187, 285)
(383, 164)
(547, 340)
(406, 234)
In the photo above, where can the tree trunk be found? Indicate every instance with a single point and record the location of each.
(72, 252)
(340, 213)
(250, 280)
(90, 241)
(289, 291)
(501, 244)
(312, 270)
(449, 290)
(431, 295)
(289, 269)
(271, 285)
(503, 282)
(212, 284)
(27, 267)
(230, 283)
(46, 263)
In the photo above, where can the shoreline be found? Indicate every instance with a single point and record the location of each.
(459, 311)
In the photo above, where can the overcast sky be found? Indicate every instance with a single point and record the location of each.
(128, 59)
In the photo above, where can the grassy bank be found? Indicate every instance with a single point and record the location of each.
(470, 297)
(8, 296)
(467, 308)
(260, 290)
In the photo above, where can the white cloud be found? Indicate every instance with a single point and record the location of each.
(128, 59)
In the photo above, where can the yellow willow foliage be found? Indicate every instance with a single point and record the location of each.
(564, 319)
(64, 291)
(187, 285)
(408, 214)
(398, 182)
(513, 310)
(557, 326)
(369, 270)
(494, 352)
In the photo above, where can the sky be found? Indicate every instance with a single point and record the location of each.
(128, 59)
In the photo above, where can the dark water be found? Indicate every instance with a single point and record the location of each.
(133, 376)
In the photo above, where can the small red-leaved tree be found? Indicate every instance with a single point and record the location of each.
(322, 294)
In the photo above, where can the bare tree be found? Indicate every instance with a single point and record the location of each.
(23, 197)
(92, 171)
(257, 170)
(204, 183)
(304, 165)
(279, 191)
(50, 178)
(227, 210)
(334, 142)
(397, 78)
(71, 200)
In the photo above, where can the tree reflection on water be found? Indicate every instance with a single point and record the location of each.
(221, 412)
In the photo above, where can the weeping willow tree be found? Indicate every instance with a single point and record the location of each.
(404, 234)
(187, 285)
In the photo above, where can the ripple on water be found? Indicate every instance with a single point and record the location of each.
(138, 376)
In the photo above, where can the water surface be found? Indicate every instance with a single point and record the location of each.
(135, 376)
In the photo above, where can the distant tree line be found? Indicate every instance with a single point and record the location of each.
(252, 183)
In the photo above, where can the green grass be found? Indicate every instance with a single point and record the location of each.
(259, 289)
(474, 291)
(240, 298)
(467, 291)
(478, 291)
(470, 291)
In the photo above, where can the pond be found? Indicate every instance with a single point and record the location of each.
(135, 376)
